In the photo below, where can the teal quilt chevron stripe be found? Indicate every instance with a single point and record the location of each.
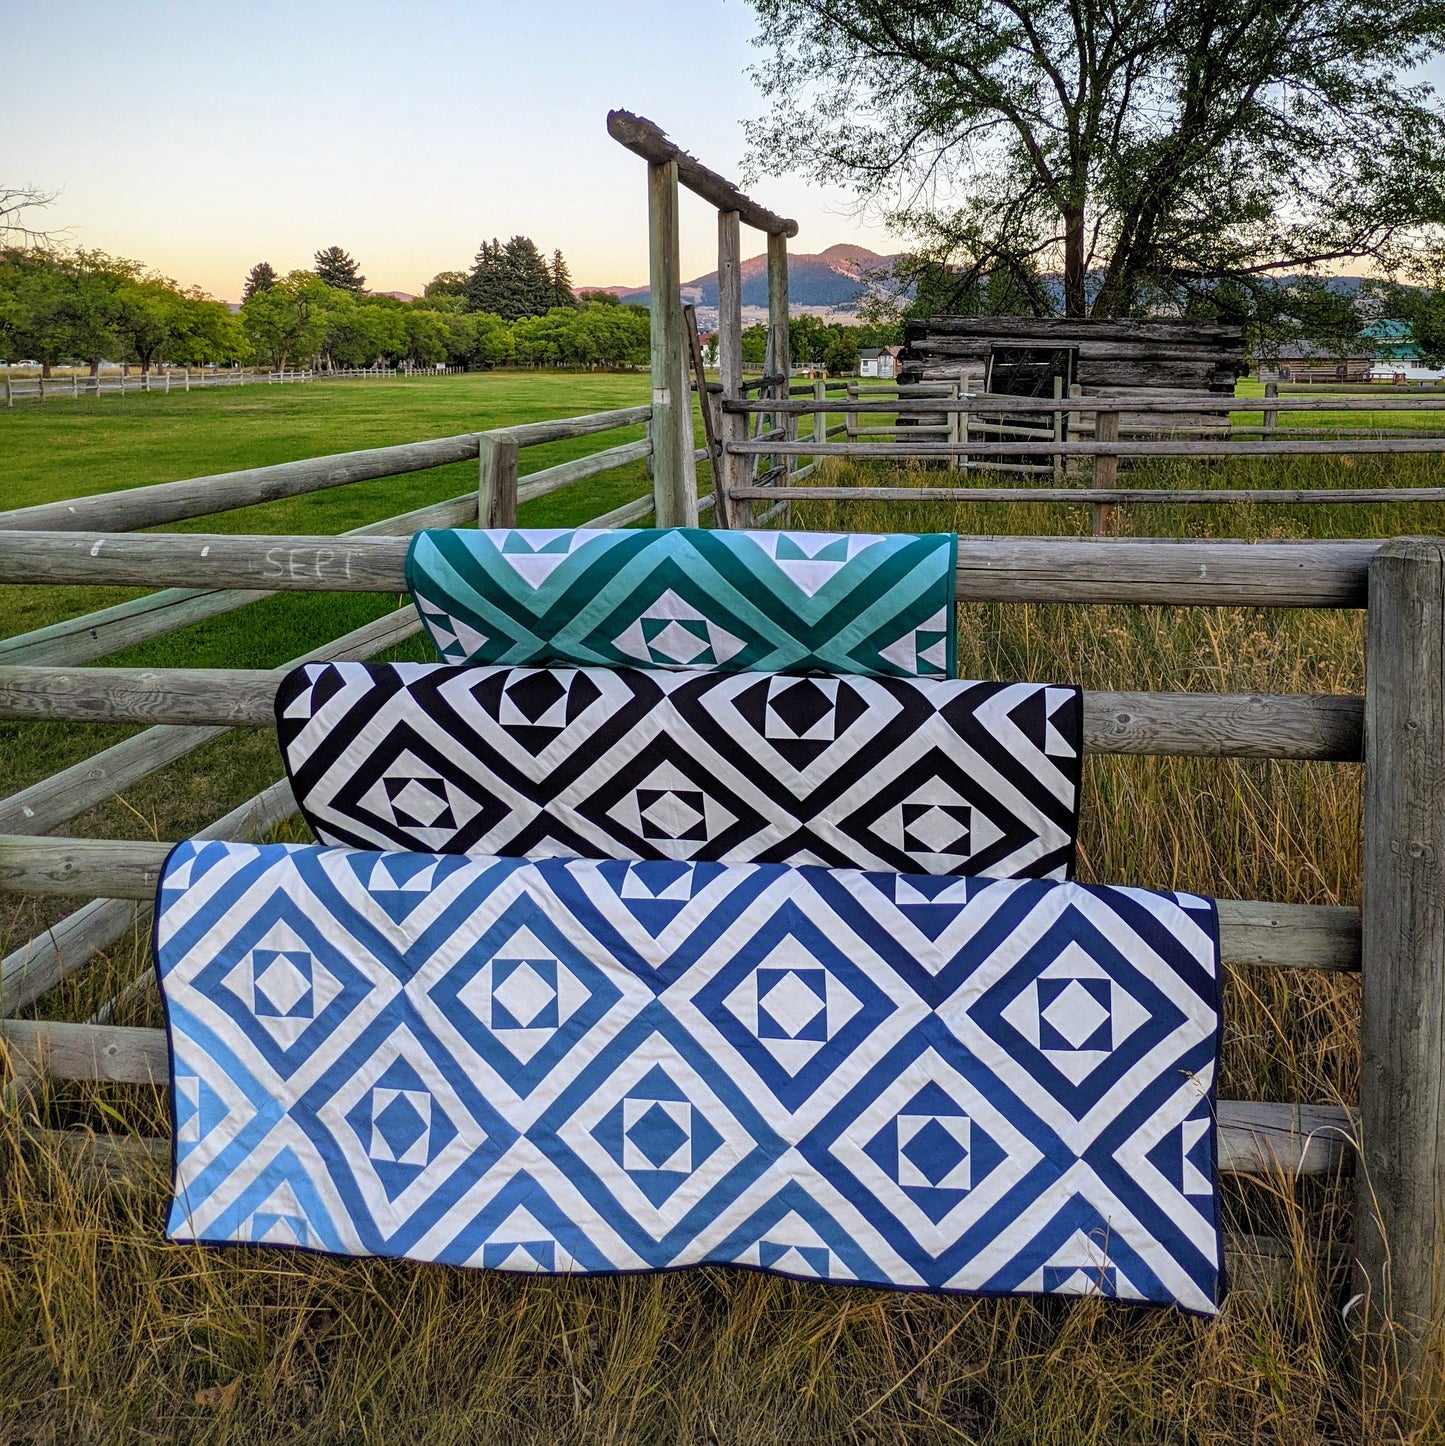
(862, 603)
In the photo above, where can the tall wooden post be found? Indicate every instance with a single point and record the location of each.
(1401, 1210)
(1271, 417)
(672, 444)
(735, 471)
(496, 481)
(780, 349)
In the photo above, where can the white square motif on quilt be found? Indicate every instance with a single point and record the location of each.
(671, 633)
(282, 983)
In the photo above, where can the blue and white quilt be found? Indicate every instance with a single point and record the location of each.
(958, 1084)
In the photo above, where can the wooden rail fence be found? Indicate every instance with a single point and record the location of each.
(77, 385)
(1397, 940)
(163, 379)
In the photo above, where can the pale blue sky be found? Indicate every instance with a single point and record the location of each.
(203, 137)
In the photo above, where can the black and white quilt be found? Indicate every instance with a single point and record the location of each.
(933, 776)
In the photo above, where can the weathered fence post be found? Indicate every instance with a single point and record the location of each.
(735, 470)
(671, 409)
(496, 481)
(780, 348)
(820, 417)
(1106, 470)
(1058, 430)
(1271, 417)
(9, 395)
(1402, 1088)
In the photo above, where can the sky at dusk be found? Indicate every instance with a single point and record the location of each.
(201, 138)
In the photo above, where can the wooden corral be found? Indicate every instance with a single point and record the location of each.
(1397, 728)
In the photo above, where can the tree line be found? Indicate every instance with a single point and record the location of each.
(513, 308)
(84, 307)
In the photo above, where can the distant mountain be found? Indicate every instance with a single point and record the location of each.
(835, 279)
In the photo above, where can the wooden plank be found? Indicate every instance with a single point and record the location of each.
(1284, 1139)
(1189, 724)
(1297, 936)
(733, 471)
(307, 564)
(1401, 1209)
(41, 963)
(670, 406)
(1212, 574)
(94, 635)
(1235, 725)
(1106, 471)
(998, 569)
(102, 868)
(26, 973)
(564, 474)
(644, 138)
(45, 805)
(1128, 402)
(1159, 496)
(564, 429)
(628, 513)
(52, 801)
(780, 347)
(496, 480)
(108, 1052)
(705, 400)
(138, 507)
(1062, 328)
(1288, 935)
(1131, 447)
(1255, 1138)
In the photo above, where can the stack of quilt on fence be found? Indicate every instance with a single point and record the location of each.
(692, 912)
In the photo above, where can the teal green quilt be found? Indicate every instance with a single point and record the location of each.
(774, 602)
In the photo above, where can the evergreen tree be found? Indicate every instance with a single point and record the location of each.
(511, 280)
(261, 277)
(561, 282)
(337, 268)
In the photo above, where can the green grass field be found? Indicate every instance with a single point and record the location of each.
(107, 1334)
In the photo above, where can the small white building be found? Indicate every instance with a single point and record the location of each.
(879, 361)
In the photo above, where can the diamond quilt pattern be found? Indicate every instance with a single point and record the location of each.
(960, 1084)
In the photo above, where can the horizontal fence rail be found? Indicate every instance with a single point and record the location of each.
(94, 635)
(990, 569)
(992, 403)
(1346, 447)
(1255, 1138)
(1091, 495)
(1181, 724)
(138, 507)
(1290, 935)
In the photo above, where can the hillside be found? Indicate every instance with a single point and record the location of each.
(832, 279)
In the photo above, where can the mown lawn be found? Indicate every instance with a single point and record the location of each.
(108, 1334)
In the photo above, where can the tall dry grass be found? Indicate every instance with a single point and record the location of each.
(108, 1334)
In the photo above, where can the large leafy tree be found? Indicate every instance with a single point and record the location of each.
(339, 268)
(1144, 149)
(287, 322)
